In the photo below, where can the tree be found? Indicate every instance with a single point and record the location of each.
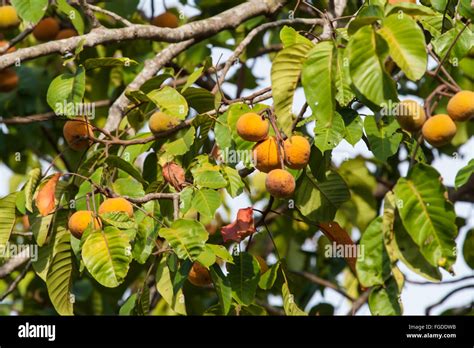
(129, 146)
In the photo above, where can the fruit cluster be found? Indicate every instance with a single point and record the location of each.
(440, 129)
(270, 154)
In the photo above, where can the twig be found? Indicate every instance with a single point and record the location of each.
(326, 283)
(17, 281)
(90, 14)
(111, 14)
(359, 302)
(451, 293)
(451, 281)
(17, 39)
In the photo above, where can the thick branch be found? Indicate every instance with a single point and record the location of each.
(196, 30)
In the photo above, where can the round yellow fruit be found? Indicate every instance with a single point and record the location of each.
(8, 80)
(47, 29)
(461, 106)
(410, 115)
(161, 122)
(80, 220)
(266, 155)
(76, 133)
(199, 275)
(280, 183)
(118, 204)
(65, 34)
(252, 127)
(297, 152)
(439, 130)
(8, 17)
(166, 20)
(393, 2)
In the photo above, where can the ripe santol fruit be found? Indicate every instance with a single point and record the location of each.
(161, 122)
(76, 132)
(266, 155)
(280, 183)
(8, 17)
(410, 115)
(439, 130)
(8, 80)
(46, 30)
(65, 34)
(118, 204)
(80, 220)
(199, 275)
(297, 152)
(461, 106)
(252, 127)
(166, 20)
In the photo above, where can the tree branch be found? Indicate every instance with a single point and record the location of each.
(445, 298)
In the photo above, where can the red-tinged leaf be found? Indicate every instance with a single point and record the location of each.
(336, 234)
(45, 201)
(241, 228)
(174, 175)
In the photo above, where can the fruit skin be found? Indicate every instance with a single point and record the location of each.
(461, 106)
(8, 17)
(252, 127)
(46, 30)
(410, 115)
(8, 80)
(115, 205)
(65, 34)
(438, 130)
(166, 20)
(75, 133)
(160, 122)
(280, 183)
(199, 275)
(297, 152)
(80, 220)
(265, 155)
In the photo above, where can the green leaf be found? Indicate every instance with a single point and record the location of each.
(286, 69)
(461, 47)
(108, 62)
(319, 200)
(206, 202)
(67, 88)
(199, 99)
(235, 184)
(406, 43)
(30, 10)
(373, 266)
(209, 178)
(221, 252)
(464, 174)
(385, 300)
(118, 219)
(181, 145)
(186, 237)
(164, 286)
(289, 305)
(384, 140)
(466, 9)
(120, 163)
(468, 249)
(367, 15)
(59, 276)
(128, 187)
(34, 177)
(192, 78)
(427, 216)
(73, 15)
(7, 218)
(290, 36)
(409, 9)
(344, 94)
(267, 279)
(353, 126)
(366, 51)
(223, 288)
(317, 77)
(170, 101)
(107, 256)
(207, 258)
(410, 254)
(40, 226)
(244, 275)
(147, 233)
